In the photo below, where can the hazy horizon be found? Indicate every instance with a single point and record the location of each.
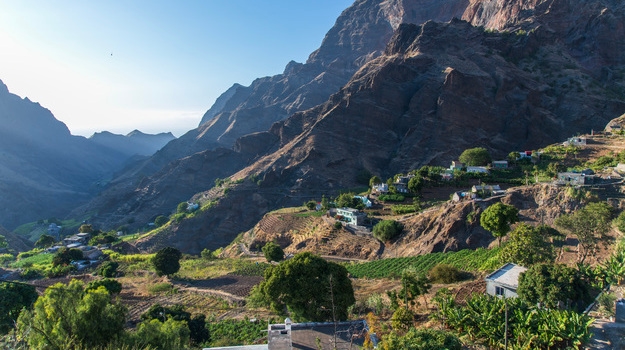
(152, 66)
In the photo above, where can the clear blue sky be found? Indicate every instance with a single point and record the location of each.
(150, 65)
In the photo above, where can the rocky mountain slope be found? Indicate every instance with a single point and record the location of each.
(44, 170)
(134, 143)
(359, 34)
(533, 75)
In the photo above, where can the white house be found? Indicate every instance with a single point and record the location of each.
(505, 281)
(477, 169)
(350, 216)
(380, 188)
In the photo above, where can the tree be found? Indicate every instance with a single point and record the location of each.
(65, 256)
(273, 252)
(475, 156)
(309, 287)
(85, 228)
(111, 285)
(550, 284)
(108, 269)
(513, 156)
(589, 224)
(402, 319)
(526, 246)
(375, 180)
(413, 284)
(182, 207)
(386, 230)
(311, 205)
(160, 220)
(445, 273)
(415, 184)
(347, 200)
(154, 334)
(3, 242)
(68, 317)
(167, 261)
(497, 219)
(14, 296)
(44, 241)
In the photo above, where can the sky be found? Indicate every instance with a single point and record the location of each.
(155, 66)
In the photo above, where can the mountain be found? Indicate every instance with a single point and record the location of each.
(509, 76)
(135, 143)
(44, 170)
(360, 34)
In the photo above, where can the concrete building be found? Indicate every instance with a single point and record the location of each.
(504, 282)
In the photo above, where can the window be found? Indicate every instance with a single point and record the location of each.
(500, 291)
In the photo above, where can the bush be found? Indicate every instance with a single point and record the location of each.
(386, 230)
(6, 258)
(402, 319)
(338, 225)
(273, 252)
(475, 156)
(111, 285)
(391, 198)
(108, 269)
(158, 288)
(444, 273)
(167, 261)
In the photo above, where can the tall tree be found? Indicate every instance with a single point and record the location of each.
(550, 285)
(475, 156)
(309, 287)
(497, 219)
(526, 246)
(44, 241)
(589, 224)
(167, 261)
(273, 252)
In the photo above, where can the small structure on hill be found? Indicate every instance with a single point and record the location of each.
(379, 188)
(571, 178)
(477, 169)
(351, 216)
(504, 282)
(500, 164)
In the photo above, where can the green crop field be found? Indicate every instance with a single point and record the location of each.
(466, 260)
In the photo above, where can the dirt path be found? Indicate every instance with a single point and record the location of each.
(607, 335)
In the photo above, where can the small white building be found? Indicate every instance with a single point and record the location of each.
(380, 188)
(477, 169)
(350, 216)
(504, 282)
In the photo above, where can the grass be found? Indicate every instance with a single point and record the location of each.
(318, 214)
(39, 261)
(202, 269)
(163, 287)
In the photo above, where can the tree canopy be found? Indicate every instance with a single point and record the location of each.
(14, 297)
(386, 230)
(167, 261)
(67, 316)
(497, 219)
(309, 287)
(475, 156)
(549, 284)
(374, 180)
(273, 252)
(44, 241)
(589, 224)
(348, 200)
(527, 246)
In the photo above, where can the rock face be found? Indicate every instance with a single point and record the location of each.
(135, 143)
(44, 170)
(534, 74)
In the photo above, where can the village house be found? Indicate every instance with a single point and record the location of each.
(504, 282)
(350, 216)
(500, 164)
(575, 141)
(379, 188)
(365, 201)
(477, 169)
(456, 165)
(576, 179)
(487, 190)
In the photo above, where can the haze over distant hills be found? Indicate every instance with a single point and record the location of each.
(382, 98)
(45, 171)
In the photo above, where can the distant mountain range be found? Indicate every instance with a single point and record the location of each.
(45, 171)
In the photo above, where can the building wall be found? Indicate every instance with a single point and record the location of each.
(491, 289)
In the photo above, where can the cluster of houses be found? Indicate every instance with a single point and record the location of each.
(91, 254)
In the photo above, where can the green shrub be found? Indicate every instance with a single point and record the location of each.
(6, 258)
(402, 319)
(108, 269)
(158, 288)
(386, 230)
(444, 273)
(111, 285)
(391, 198)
